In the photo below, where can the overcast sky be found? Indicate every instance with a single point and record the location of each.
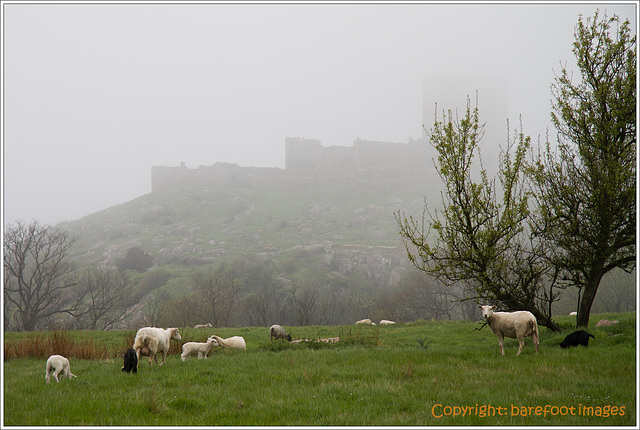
(96, 94)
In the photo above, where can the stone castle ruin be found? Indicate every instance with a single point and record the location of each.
(373, 163)
(307, 162)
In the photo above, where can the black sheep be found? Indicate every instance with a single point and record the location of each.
(576, 338)
(130, 361)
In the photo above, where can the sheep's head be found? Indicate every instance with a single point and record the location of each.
(487, 311)
(175, 334)
(213, 341)
(288, 337)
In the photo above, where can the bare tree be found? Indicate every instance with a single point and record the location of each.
(308, 308)
(101, 298)
(263, 307)
(35, 267)
(154, 306)
(218, 293)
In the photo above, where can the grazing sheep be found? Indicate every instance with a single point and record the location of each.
(606, 322)
(519, 324)
(202, 348)
(58, 365)
(365, 321)
(576, 338)
(203, 325)
(277, 331)
(130, 361)
(231, 342)
(386, 322)
(157, 340)
(573, 313)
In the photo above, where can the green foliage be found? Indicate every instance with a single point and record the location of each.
(479, 239)
(587, 187)
(135, 259)
(390, 382)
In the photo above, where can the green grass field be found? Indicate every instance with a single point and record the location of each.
(428, 373)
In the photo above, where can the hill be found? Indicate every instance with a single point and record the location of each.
(312, 225)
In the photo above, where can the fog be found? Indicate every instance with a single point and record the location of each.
(96, 94)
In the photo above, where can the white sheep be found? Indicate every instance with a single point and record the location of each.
(278, 332)
(365, 321)
(156, 340)
(231, 342)
(386, 322)
(202, 348)
(58, 365)
(519, 324)
(203, 325)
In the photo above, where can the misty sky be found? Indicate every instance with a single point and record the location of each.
(96, 94)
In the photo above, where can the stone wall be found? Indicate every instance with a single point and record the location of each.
(308, 163)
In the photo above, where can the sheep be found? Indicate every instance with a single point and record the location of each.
(277, 331)
(519, 324)
(157, 340)
(576, 338)
(386, 322)
(130, 361)
(58, 365)
(606, 322)
(231, 342)
(203, 325)
(202, 348)
(365, 321)
(573, 313)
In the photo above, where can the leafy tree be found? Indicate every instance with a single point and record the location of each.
(35, 268)
(586, 187)
(479, 239)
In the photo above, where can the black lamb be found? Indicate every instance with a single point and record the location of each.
(576, 338)
(130, 361)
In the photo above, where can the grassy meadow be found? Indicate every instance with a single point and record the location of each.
(427, 373)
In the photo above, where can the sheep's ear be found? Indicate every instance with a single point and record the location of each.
(493, 308)
(479, 307)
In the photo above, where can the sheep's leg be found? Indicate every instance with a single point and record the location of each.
(501, 342)
(164, 356)
(536, 342)
(521, 344)
(55, 375)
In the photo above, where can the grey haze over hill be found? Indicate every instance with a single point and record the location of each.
(95, 94)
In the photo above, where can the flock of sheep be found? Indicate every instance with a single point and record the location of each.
(153, 341)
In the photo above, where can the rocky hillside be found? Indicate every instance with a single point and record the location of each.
(334, 222)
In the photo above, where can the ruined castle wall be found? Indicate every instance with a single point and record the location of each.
(309, 165)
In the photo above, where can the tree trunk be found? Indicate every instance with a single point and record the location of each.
(544, 321)
(586, 302)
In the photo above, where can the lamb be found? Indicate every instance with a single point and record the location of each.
(203, 325)
(130, 361)
(231, 342)
(386, 322)
(277, 331)
(58, 365)
(365, 321)
(576, 338)
(157, 340)
(519, 324)
(202, 348)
